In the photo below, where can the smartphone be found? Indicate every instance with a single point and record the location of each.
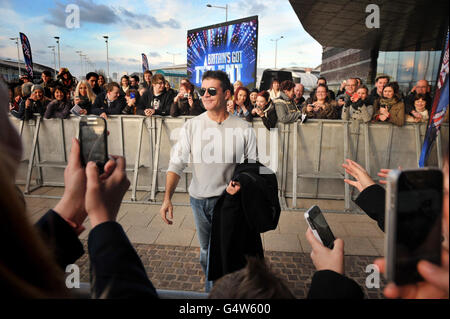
(132, 95)
(319, 226)
(413, 222)
(93, 141)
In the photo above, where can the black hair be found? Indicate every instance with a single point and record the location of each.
(91, 74)
(221, 76)
(47, 73)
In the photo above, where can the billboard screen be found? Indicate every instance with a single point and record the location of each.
(231, 47)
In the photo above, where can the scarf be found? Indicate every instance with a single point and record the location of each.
(388, 102)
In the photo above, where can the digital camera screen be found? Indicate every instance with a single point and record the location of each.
(419, 211)
(230, 47)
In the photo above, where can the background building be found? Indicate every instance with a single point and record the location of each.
(406, 45)
(10, 71)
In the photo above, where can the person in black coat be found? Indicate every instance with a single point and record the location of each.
(155, 100)
(110, 102)
(116, 270)
(185, 102)
(36, 102)
(265, 109)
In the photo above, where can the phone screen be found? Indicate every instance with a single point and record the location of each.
(317, 220)
(93, 141)
(419, 218)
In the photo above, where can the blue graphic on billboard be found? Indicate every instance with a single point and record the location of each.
(230, 47)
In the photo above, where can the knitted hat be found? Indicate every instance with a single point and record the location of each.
(37, 87)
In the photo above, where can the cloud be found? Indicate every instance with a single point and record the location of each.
(141, 21)
(255, 7)
(89, 12)
(154, 54)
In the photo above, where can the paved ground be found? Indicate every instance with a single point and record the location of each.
(170, 253)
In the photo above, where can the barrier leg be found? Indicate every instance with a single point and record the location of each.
(294, 167)
(136, 162)
(317, 160)
(346, 153)
(31, 158)
(155, 162)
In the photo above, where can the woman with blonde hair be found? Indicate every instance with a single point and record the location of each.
(84, 97)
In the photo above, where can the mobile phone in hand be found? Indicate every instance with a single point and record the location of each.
(93, 141)
(319, 226)
(413, 222)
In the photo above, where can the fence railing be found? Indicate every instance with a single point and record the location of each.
(306, 157)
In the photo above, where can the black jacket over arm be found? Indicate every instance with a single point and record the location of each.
(116, 270)
(372, 202)
(61, 238)
(327, 284)
(239, 219)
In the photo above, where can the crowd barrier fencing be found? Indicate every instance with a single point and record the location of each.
(306, 157)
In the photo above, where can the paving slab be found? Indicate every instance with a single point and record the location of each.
(133, 218)
(179, 237)
(143, 235)
(359, 246)
(282, 242)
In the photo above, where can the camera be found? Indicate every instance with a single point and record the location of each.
(186, 95)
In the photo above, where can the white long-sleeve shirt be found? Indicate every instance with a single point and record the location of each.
(213, 150)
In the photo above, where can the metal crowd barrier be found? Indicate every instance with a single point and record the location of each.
(306, 157)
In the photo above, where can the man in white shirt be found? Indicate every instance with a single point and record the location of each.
(214, 143)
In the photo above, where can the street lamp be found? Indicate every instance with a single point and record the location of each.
(81, 63)
(107, 55)
(54, 57)
(59, 53)
(276, 48)
(226, 10)
(173, 56)
(18, 54)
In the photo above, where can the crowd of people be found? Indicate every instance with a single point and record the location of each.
(116, 269)
(284, 102)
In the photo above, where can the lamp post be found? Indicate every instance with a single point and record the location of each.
(54, 57)
(107, 55)
(18, 54)
(226, 10)
(81, 63)
(276, 48)
(59, 52)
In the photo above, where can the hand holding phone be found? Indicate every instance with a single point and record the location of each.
(93, 141)
(413, 222)
(319, 226)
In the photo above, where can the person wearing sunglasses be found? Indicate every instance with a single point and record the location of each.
(216, 142)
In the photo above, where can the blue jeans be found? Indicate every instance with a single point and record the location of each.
(203, 213)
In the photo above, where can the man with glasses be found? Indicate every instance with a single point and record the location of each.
(156, 100)
(214, 143)
(421, 87)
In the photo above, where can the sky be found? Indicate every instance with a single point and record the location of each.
(157, 28)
